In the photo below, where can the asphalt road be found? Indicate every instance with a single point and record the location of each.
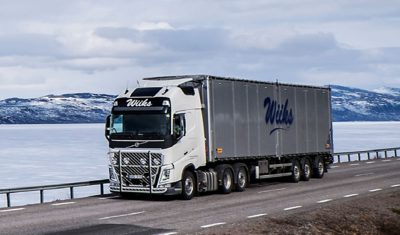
(114, 215)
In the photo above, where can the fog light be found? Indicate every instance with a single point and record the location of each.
(156, 161)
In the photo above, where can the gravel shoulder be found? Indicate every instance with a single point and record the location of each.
(372, 213)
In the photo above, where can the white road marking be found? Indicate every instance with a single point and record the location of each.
(255, 216)
(395, 185)
(212, 225)
(102, 198)
(334, 166)
(351, 195)
(355, 164)
(272, 190)
(124, 215)
(292, 208)
(326, 200)
(63, 203)
(375, 190)
(398, 159)
(15, 209)
(170, 233)
(364, 174)
(369, 162)
(386, 160)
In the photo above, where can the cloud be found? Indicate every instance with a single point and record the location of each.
(54, 46)
(29, 45)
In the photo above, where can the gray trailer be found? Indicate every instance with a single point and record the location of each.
(201, 133)
(252, 119)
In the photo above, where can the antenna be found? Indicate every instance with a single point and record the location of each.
(127, 87)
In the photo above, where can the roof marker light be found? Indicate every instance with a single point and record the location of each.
(166, 103)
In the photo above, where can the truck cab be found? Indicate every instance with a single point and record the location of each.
(155, 132)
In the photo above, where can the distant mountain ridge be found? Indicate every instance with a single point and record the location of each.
(353, 104)
(52, 109)
(348, 104)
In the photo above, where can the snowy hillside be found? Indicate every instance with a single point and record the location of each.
(67, 108)
(348, 104)
(352, 104)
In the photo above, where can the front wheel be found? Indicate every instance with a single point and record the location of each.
(188, 185)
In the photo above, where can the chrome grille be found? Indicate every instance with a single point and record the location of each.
(134, 168)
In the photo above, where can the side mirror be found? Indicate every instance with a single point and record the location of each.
(107, 129)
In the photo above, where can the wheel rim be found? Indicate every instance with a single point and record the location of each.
(242, 178)
(320, 168)
(307, 170)
(188, 186)
(296, 172)
(227, 180)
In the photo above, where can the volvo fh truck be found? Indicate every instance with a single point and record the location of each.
(184, 135)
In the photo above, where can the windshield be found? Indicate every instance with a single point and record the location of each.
(141, 124)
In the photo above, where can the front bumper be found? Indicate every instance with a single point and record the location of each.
(175, 189)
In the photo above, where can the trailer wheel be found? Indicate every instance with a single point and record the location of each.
(241, 177)
(188, 185)
(319, 168)
(306, 170)
(227, 181)
(295, 172)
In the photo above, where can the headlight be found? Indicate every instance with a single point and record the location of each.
(165, 175)
(125, 160)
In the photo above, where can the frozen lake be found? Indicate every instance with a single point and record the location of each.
(51, 154)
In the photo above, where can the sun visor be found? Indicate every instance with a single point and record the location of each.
(165, 82)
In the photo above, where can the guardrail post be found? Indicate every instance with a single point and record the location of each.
(359, 156)
(348, 158)
(8, 200)
(369, 157)
(41, 196)
(71, 191)
(377, 155)
(101, 189)
(395, 152)
(338, 158)
(385, 154)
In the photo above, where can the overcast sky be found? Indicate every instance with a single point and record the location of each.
(55, 47)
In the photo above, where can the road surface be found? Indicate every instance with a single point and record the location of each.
(115, 215)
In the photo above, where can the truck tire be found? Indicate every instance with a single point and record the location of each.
(227, 180)
(296, 172)
(306, 170)
(319, 168)
(188, 185)
(241, 177)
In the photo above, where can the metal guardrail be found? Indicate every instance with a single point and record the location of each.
(42, 188)
(368, 154)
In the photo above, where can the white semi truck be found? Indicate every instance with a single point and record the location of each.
(183, 135)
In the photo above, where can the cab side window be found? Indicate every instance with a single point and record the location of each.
(179, 126)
